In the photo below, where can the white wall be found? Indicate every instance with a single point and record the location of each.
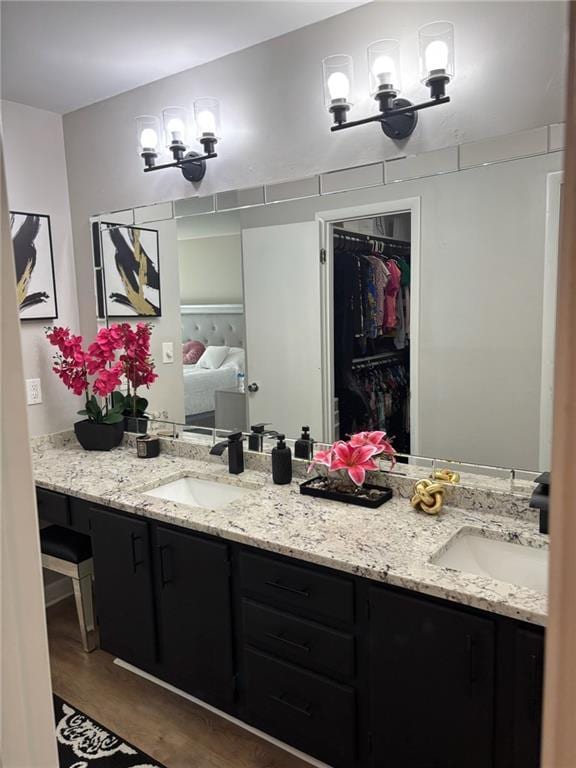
(510, 60)
(37, 183)
(27, 735)
(210, 270)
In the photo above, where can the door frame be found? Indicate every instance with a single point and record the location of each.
(554, 184)
(325, 221)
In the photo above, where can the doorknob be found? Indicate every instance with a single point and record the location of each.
(253, 387)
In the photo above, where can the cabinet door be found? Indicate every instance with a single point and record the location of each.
(432, 681)
(528, 689)
(123, 585)
(195, 615)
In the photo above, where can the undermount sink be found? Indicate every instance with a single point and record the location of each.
(196, 492)
(513, 563)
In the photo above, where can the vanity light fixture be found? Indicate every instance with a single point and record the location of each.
(174, 134)
(398, 117)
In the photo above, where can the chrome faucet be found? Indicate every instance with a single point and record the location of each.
(235, 452)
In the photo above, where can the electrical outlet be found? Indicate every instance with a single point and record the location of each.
(33, 392)
(167, 352)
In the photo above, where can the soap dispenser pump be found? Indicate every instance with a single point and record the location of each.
(304, 447)
(281, 462)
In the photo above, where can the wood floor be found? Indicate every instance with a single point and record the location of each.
(170, 729)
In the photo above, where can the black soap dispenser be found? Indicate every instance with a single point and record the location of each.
(281, 462)
(304, 447)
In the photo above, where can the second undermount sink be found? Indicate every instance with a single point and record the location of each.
(196, 492)
(506, 561)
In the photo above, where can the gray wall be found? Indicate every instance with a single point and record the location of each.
(510, 76)
(210, 270)
(36, 180)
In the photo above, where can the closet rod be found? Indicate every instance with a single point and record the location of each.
(381, 359)
(361, 237)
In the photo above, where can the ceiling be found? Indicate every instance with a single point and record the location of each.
(62, 56)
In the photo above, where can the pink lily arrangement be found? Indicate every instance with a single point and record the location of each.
(77, 366)
(355, 456)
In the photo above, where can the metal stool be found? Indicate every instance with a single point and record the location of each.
(69, 553)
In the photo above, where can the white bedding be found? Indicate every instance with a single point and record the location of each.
(200, 384)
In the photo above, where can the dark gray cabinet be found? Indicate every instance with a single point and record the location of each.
(526, 685)
(431, 684)
(357, 674)
(195, 615)
(306, 710)
(123, 585)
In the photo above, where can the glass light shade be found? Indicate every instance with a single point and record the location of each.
(338, 79)
(207, 118)
(148, 133)
(384, 66)
(175, 120)
(436, 50)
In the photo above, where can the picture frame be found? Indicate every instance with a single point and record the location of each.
(127, 264)
(34, 262)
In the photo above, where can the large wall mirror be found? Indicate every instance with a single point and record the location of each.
(425, 308)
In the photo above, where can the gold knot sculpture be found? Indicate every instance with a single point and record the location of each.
(429, 493)
(446, 476)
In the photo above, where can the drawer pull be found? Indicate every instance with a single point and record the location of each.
(135, 562)
(283, 700)
(165, 565)
(291, 643)
(286, 588)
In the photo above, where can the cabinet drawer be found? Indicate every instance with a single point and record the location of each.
(297, 587)
(80, 514)
(298, 640)
(302, 709)
(53, 507)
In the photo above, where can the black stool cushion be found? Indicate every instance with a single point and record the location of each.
(65, 544)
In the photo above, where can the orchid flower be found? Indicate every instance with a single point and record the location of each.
(356, 461)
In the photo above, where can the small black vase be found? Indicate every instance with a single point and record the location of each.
(98, 437)
(138, 424)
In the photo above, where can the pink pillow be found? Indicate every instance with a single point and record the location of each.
(192, 351)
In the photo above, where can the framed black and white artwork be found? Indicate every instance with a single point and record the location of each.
(34, 260)
(131, 271)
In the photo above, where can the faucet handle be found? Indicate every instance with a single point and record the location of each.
(259, 428)
(235, 437)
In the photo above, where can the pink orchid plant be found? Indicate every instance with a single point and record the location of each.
(76, 366)
(354, 457)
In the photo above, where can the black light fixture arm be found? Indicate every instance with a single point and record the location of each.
(190, 157)
(192, 164)
(392, 127)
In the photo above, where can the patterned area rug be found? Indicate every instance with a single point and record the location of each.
(84, 743)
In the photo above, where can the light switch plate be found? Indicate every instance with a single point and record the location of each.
(167, 352)
(33, 392)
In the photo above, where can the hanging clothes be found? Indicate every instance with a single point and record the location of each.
(381, 280)
(392, 288)
(371, 319)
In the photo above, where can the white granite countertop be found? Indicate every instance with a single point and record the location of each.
(392, 544)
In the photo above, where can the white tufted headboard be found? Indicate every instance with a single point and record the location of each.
(213, 324)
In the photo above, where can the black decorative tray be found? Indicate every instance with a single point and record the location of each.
(377, 495)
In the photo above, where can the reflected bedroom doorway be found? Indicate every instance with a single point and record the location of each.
(212, 320)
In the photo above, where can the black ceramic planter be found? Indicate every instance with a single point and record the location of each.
(98, 437)
(138, 424)
(375, 498)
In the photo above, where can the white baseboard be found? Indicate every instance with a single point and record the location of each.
(286, 747)
(57, 590)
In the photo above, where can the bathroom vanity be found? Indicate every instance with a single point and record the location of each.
(326, 626)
